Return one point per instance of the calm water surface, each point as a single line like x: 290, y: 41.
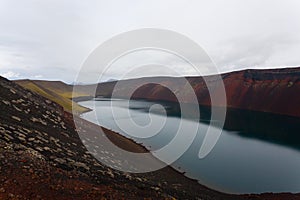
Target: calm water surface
x: 235, y: 165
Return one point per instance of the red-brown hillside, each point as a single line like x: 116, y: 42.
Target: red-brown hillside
x: 271, y: 90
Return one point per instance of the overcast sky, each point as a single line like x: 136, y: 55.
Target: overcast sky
x: 50, y: 39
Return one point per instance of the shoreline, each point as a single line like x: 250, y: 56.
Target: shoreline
x: 115, y: 135
x: 168, y: 178
x: 179, y: 175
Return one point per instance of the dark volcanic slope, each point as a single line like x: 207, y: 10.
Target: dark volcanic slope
x: 272, y: 90
x: 41, y: 154
x: 42, y: 157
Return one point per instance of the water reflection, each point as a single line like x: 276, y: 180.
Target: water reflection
x: 247, y: 157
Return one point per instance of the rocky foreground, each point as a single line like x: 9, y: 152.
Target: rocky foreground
x: 42, y: 157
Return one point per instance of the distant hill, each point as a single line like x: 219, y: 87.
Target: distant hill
x: 56, y: 91
x: 270, y: 90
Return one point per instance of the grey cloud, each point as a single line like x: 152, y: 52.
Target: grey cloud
x: 254, y: 51
x: 52, y: 38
